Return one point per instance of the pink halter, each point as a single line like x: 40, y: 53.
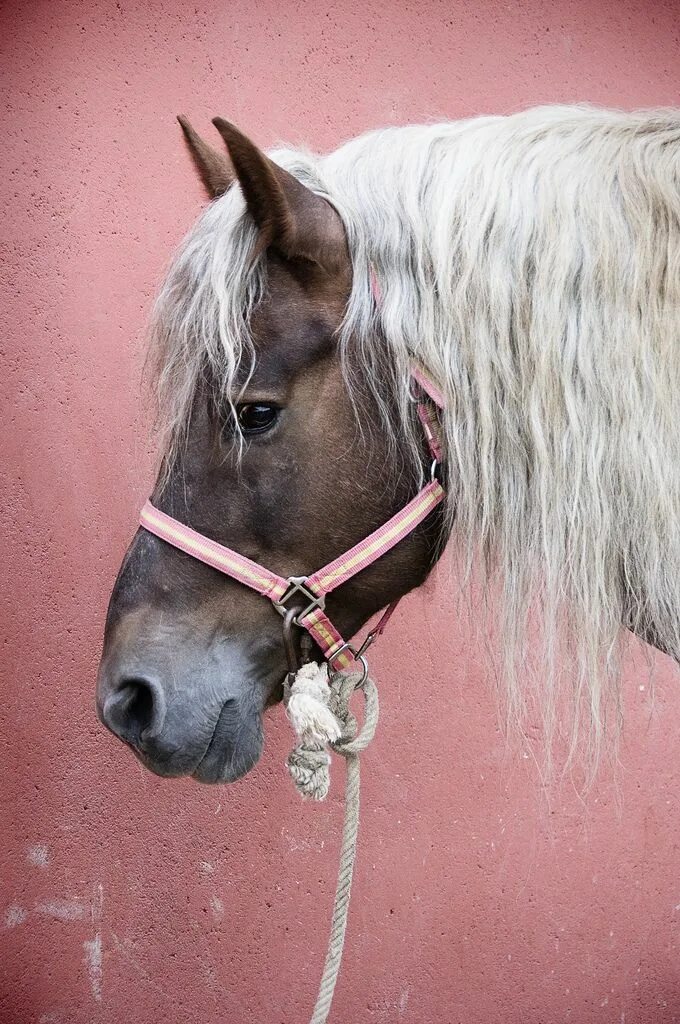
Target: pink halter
x: 311, y: 590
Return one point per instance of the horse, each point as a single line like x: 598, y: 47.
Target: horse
x: 527, y: 267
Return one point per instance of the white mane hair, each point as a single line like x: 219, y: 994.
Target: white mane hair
x: 531, y: 264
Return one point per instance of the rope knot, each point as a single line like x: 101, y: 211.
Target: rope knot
x: 319, y: 710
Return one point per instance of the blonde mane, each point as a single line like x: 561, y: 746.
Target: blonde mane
x: 532, y: 264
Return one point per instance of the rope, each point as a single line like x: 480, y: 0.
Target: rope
x: 320, y: 713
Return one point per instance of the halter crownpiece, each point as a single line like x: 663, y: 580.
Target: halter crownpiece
x: 312, y: 590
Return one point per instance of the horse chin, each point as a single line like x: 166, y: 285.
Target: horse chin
x: 234, y: 748
x: 217, y: 771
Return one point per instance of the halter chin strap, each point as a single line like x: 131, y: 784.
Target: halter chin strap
x: 311, y: 591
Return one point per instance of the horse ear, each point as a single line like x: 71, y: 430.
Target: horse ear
x: 213, y: 167
x: 291, y: 218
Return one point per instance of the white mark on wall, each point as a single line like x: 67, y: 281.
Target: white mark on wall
x: 382, y: 1010
x: 14, y: 916
x: 74, y: 908
x: 295, y: 843
x: 50, y: 1018
x: 93, y: 962
x: 38, y: 856
x: 63, y: 910
x: 217, y: 907
x: 93, y: 947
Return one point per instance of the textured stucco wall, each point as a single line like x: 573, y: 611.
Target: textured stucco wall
x: 127, y: 898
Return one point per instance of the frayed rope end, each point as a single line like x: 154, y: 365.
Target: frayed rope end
x: 307, y: 705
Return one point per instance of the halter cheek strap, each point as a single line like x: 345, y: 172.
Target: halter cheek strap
x: 311, y: 591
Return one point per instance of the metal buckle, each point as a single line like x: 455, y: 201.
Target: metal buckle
x: 415, y: 399
x: 297, y: 586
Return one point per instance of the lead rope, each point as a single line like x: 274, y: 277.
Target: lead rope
x: 319, y: 710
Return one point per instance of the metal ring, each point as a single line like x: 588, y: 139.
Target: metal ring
x: 364, y: 665
x: 414, y: 399
x: 289, y: 641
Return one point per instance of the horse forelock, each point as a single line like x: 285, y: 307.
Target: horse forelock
x: 532, y: 264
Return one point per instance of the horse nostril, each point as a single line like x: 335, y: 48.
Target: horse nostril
x: 135, y: 710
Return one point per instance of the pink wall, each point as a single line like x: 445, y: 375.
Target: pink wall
x: 127, y: 898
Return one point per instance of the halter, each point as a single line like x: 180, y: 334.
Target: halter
x: 311, y: 591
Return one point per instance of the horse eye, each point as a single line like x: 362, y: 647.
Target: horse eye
x: 256, y: 417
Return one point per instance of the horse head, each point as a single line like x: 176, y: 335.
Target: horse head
x: 270, y: 454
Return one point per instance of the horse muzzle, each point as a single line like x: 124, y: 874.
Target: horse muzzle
x: 182, y: 723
